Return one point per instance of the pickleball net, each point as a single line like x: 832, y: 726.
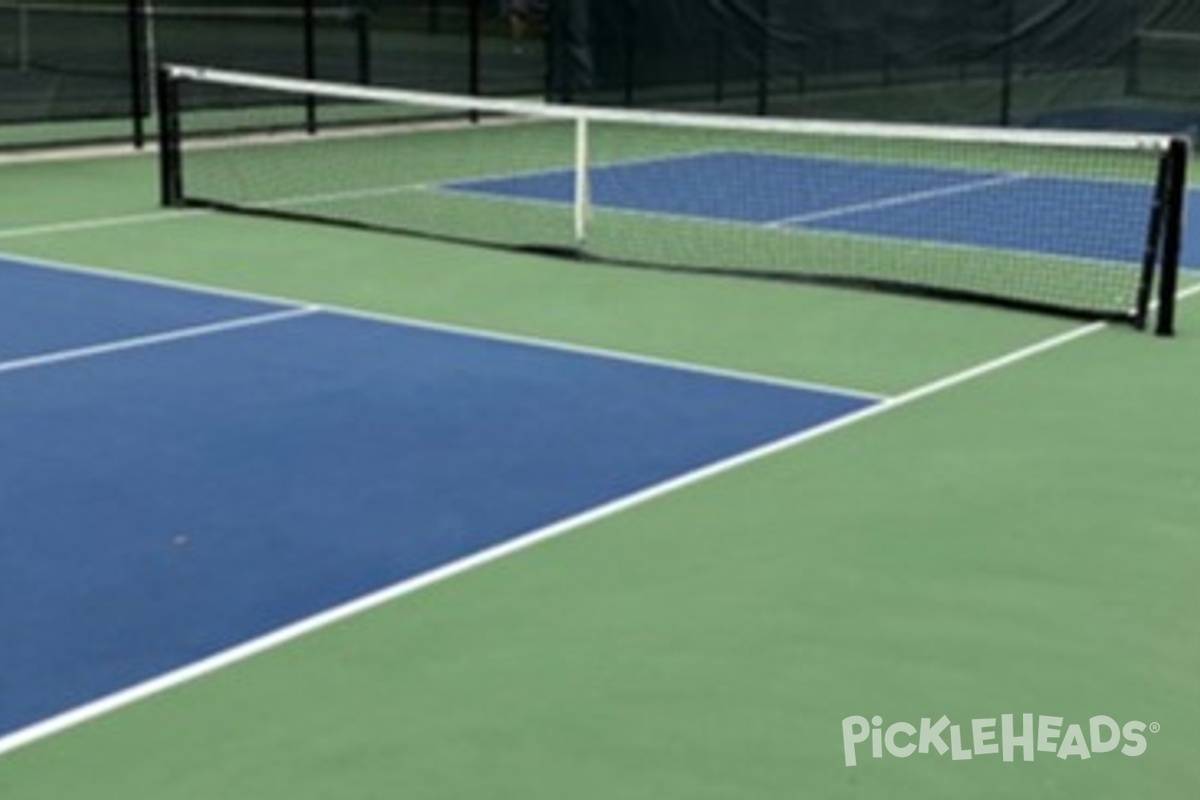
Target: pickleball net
x: 1080, y: 223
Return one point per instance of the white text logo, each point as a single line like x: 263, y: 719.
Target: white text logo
x: 1027, y: 734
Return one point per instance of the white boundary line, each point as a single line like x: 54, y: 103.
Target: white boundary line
x: 905, y: 199
x: 102, y: 222
x: 33, y: 154
x: 442, y: 327
x: 149, y: 340
x: 1183, y: 294
x: 523, y: 541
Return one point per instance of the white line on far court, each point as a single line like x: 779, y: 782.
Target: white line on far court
x: 518, y: 543
x: 905, y: 199
x: 151, y: 339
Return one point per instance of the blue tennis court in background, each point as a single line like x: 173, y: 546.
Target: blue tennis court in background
x: 1018, y: 212
x: 182, y: 472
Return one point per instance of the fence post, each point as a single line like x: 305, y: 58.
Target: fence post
x: 139, y: 70
x: 310, y: 63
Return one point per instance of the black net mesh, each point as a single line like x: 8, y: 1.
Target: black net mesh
x: 1051, y: 221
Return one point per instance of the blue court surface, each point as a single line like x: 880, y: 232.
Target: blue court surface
x: 1090, y: 219
x: 181, y: 472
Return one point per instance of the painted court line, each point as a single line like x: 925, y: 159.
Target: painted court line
x: 613, y: 355
x: 152, y: 339
x: 448, y: 328
x: 526, y: 540
x: 365, y: 193
x: 97, y: 223
x: 904, y: 199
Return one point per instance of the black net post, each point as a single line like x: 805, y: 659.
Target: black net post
x: 1152, y: 253
x: 170, y: 155
x: 1168, y: 275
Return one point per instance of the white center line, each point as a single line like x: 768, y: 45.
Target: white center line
x: 908, y: 198
x: 148, y: 340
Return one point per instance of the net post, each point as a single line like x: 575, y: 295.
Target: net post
x: 1176, y: 161
x: 170, y: 161
x: 1152, y: 251
x: 582, y: 202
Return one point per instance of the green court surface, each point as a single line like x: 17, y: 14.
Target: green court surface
x: 1015, y: 531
